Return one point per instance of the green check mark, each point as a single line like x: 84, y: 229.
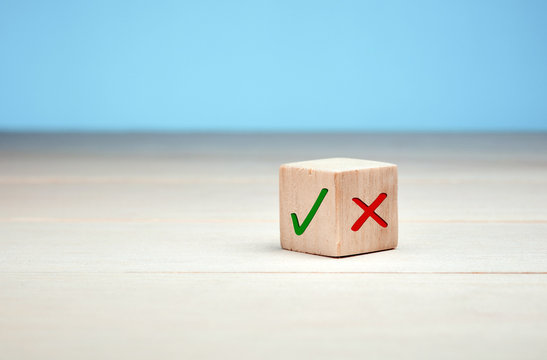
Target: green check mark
x: 299, y: 229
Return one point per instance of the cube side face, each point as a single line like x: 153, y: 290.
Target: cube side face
x: 367, y: 187
x: 299, y: 190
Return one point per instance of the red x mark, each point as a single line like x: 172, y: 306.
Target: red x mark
x: 369, y: 211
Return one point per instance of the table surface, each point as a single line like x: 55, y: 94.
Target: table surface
x: 160, y: 246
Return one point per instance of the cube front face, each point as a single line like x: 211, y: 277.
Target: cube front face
x: 299, y: 190
x: 341, y: 206
x: 379, y: 231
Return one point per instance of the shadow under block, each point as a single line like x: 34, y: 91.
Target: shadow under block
x: 323, y: 204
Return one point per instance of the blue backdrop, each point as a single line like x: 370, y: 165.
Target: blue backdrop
x: 273, y: 65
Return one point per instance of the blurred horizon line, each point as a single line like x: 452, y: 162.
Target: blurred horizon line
x: 263, y: 132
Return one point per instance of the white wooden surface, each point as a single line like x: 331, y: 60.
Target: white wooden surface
x: 167, y: 246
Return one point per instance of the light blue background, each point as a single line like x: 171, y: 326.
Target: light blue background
x: 273, y: 65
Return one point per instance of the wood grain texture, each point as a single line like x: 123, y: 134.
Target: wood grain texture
x: 299, y: 189
x: 330, y: 231
x: 149, y: 246
x: 249, y: 316
x: 367, y: 185
x: 111, y: 246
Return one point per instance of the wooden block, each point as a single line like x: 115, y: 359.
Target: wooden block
x: 323, y: 204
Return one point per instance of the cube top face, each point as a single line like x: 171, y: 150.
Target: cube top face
x: 338, y: 207
x: 338, y: 164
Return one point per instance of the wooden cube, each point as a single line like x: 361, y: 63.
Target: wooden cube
x: 338, y: 207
